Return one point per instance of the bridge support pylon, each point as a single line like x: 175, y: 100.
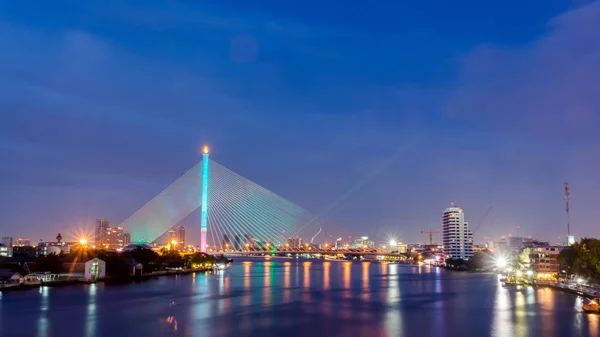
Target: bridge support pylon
x: 204, y: 199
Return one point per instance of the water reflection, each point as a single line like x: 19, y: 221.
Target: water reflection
x: 384, y: 279
x: 393, y: 320
x: 326, y: 282
x: 287, y: 291
x: 306, y: 282
x: 267, y: 284
x: 303, y: 299
x: 247, y: 298
x: 346, y: 279
x: 520, y: 310
x: 594, y: 327
x: 366, y: 291
x: 44, y: 307
x: 170, y: 324
x: 90, y: 324
x: 502, y: 325
x: 326, y: 303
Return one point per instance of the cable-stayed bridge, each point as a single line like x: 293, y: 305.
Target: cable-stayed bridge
x: 235, y: 212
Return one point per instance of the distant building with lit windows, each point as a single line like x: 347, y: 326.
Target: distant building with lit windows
x: 457, y: 239
x: 102, y: 227
x: 114, y: 238
x: 545, y: 259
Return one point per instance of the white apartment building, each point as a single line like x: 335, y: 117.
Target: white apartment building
x: 456, y: 237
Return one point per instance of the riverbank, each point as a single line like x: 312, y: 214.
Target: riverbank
x: 589, y: 292
x: 72, y: 281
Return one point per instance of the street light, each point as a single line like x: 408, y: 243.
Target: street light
x: 501, y: 262
x: 83, y: 241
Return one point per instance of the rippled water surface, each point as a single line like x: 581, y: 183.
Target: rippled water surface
x: 299, y: 298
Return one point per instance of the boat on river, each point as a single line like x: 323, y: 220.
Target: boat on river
x: 220, y: 266
x: 591, y: 307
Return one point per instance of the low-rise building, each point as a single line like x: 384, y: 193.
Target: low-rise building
x: 10, y: 277
x: 90, y: 271
x: 545, y: 259
x: 6, y: 251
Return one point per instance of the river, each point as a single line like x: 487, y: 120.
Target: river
x: 289, y: 298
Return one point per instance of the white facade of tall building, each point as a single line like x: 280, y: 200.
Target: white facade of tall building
x: 456, y: 237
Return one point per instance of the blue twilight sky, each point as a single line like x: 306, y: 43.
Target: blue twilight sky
x: 405, y: 105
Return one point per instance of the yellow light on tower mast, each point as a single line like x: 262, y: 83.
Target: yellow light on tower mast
x: 205, y: 149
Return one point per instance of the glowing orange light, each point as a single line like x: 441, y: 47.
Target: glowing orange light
x: 174, y: 242
x: 205, y: 149
x: 83, y: 241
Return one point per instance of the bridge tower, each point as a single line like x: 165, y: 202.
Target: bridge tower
x: 204, y: 199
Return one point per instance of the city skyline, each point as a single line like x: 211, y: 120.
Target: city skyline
x: 109, y: 111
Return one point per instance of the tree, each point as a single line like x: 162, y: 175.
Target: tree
x: 480, y: 260
x: 147, y: 257
x: 51, y: 263
x: 171, y: 258
x: 116, y: 266
x: 582, y: 258
x: 197, y: 259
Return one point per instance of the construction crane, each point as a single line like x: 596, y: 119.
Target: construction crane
x: 487, y: 212
x: 313, y: 238
x: 430, y: 232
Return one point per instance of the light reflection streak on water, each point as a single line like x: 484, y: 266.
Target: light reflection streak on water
x: 90, y: 323
x: 579, y: 321
x: 267, y: 284
x: 440, y: 310
x: 545, y: 302
x: 366, y: 290
x: 502, y: 325
x: 346, y: 280
x: 520, y: 314
x: 326, y: 303
x: 43, y: 320
x: 593, y: 324
x: 393, y: 319
x: 326, y: 281
x: 201, y: 308
x: 287, y: 292
x: 226, y: 291
x: 384, y: 279
x: 220, y: 286
x: 247, y: 299
x: 366, y: 293
x: 530, y: 296
x: 346, y: 311
x: 306, y: 282
x: 171, y: 323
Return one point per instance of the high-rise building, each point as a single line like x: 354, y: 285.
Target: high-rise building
x: 180, y: 231
x: 456, y: 237
x: 6, y: 246
x: 102, y: 229
x: 7, y: 241
x: 126, y: 239
x: 114, y: 238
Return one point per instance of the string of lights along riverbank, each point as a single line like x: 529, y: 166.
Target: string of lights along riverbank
x: 234, y: 211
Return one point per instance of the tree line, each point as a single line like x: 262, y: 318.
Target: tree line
x: 583, y: 259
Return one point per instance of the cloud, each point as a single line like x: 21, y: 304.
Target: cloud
x: 548, y: 88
